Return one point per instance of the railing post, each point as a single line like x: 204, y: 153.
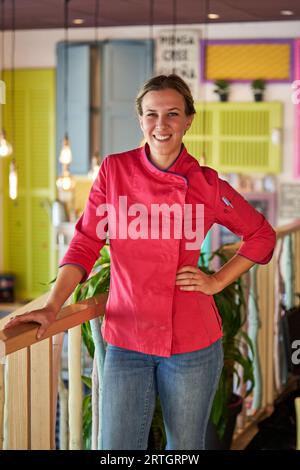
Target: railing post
x: 17, y: 401
x: 270, y: 331
x: 57, y: 345
x: 41, y: 399
x: 254, y: 325
x: 75, y: 388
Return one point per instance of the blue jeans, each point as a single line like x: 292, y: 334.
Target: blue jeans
x: 186, y: 384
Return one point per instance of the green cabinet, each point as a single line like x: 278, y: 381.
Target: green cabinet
x: 238, y: 137
x: 29, y: 245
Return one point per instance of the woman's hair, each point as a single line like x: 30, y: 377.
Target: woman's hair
x: 163, y: 82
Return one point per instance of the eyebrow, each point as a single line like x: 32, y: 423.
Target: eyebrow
x: 170, y: 109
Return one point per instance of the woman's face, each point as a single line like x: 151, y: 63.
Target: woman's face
x: 164, y: 122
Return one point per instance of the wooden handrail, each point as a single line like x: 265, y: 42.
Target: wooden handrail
x: 288, y: 228
x: 280, y: 233
x: 22, y: 336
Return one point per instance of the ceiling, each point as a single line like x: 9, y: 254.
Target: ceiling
x: 45, y: 14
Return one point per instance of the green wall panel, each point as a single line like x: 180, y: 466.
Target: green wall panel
x: 29, y: 239
x: 237, y: 137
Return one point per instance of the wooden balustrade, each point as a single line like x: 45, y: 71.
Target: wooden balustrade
x: 29, y: 377
x: 31, y: 373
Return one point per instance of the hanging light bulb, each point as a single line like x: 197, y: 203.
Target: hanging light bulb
x: 5, y: 146
x: 13, y: 180
x: 65, y: 156
x: 13, y: 176
x: 65, y: 182
x: 95, y: 166
x: 95, y: 107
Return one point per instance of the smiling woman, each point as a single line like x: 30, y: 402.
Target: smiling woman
x: 166, y: 111
x: 161, y: 326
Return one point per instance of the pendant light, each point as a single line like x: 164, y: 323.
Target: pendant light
x: 65, y: 182
x: 203, y: 156
x: 151, y: 22
x: 174, y: 32
x: 13, y: 175
x: 152, y: 42
x: 5, y: 146
x: 94, y: 123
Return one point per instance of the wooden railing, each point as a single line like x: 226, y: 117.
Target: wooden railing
x: 30, y: 370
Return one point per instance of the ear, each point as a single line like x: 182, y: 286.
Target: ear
x: 189, y: 121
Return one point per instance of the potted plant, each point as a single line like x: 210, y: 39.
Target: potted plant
x: 238, y: 351
x: 230, y: 302
x: 222, y: 89
x: 258, y: 86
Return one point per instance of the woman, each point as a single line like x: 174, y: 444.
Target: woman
x: 162, y: 327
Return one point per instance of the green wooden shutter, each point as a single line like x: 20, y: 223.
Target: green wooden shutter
x: 30, y: 250
x: 237, y: 137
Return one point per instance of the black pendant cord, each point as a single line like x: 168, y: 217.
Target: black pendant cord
x: 2, y: 39
x: 2, y: 57
x: 151, y: 20
x: 204, y: 117
x: 174, y: 24
x: 13, y: 124
x: 66, y: 66
x: 96, y: 24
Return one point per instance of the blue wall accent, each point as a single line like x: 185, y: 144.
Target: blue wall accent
x: 126, y: 65
x: 78, y: 105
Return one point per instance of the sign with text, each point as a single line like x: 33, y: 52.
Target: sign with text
x: 289, y: 205
x: 178, y: 52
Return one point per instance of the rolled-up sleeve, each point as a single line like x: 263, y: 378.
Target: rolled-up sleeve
x: 86, y: 244
x: 240, y: 217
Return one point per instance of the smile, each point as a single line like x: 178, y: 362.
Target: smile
x: 162, y: 138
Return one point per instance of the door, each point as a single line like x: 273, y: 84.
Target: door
x: 126, y: 66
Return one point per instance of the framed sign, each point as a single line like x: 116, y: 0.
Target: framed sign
x: 179, y: 52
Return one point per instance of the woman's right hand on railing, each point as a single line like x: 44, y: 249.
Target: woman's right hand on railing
x: 67, y: 279
x: 44, y: 316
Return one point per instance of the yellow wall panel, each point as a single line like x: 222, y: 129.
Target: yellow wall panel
x: 248, y: 61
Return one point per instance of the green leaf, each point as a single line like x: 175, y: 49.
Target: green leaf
x: 87, y: 381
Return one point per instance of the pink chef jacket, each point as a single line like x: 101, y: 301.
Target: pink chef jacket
x: 146, y: 311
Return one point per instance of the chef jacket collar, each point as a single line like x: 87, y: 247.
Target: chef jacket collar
x: 168, y: 173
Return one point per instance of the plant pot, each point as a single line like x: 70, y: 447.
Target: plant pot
x: 223, y: 97
x: 258, y: 96
x: 212, y: 441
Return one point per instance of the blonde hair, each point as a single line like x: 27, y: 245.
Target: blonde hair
x: 163, y: 82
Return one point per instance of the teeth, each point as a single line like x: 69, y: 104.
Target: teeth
x: 162, y: 137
